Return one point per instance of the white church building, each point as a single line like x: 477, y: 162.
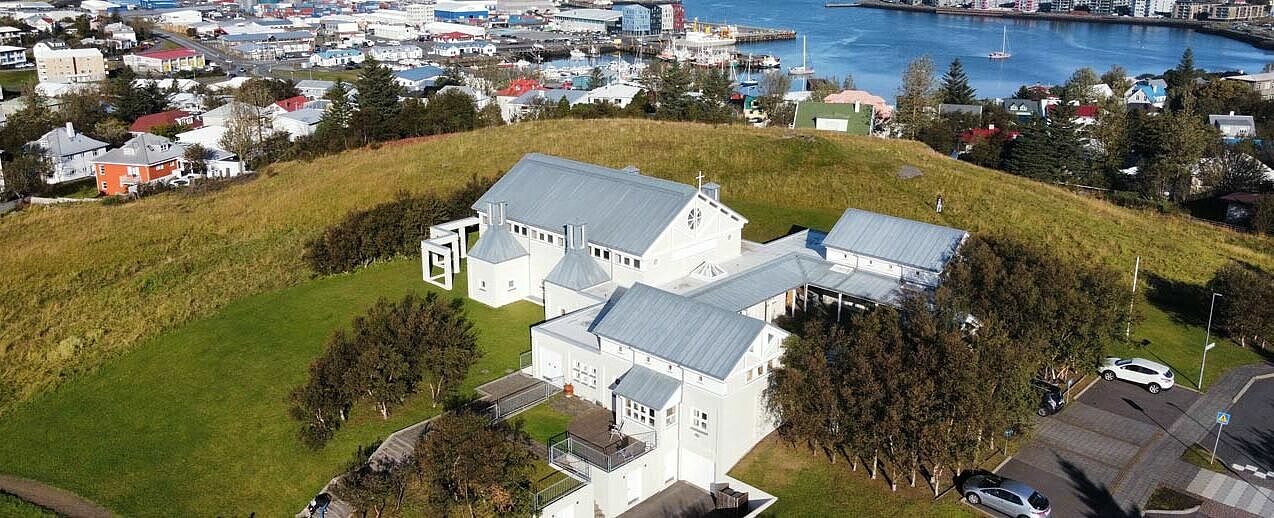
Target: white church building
x: 660, y: 312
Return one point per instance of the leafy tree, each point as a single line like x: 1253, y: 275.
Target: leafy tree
x: 596, y: 79
x: 988, y: 152
x: 112, y: 131
x: 1218, y: 97
x: 263, y: 91
x: 955, y: 87
x: 1117, y: 79
x: 82, y: 108
x: 1066, y: 310
x: 1262, y: 221
x: 29, y: 123
x: 1111, y: 137
x: 377, y: 102
x: 1170, y: 146
x: 131, y: 101
x: 469, y: 463
x: 916, y: 97
x: 24, y: 175
x: 196, y: 158
x: 803, y: 393
x: 450, y: 112
x: 1247, y: 311
x: 1233, y: 171
x: 490, y: 116
x: 1079, y: 87
x: 246, y: 131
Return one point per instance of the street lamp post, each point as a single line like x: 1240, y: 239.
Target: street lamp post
x: 1206, y: 337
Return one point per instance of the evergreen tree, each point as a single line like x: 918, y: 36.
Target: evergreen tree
x: 1170, y: 146
x: 377, y: 102
x: 715, y: 85
x: 848, y: 82
x: 334, y: 126
x: 1079, y: 87
x: 1067, y: 145
x: 595, y: 79
x: 1117, y: 79
x: 916, y: 100
x: 1031, y: 153
x: 674, y: 84
x: 955, y: 87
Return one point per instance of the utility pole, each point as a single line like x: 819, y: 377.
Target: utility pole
x: 1206, y: 338
x: 1136, y: 269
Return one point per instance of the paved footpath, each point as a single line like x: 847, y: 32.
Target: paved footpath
x: 1239, y: 494
x: 60, y: 501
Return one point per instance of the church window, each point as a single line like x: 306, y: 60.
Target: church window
x: 640, y: 413
x: 694, y: 218
x: 700, y: 422
x: 637, y: 263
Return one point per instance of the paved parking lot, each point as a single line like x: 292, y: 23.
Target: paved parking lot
x: 1079, y: 456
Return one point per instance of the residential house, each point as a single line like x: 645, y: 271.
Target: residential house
x: 336, y: 57
x: 69, y: 152
x: 1147, y: 93
x: 519, y: 86
x: 10, y: 34
x: 420, y: 79
x: 165, y: 61
x: 220, y: 163
x: 1239, y: 206
x: 531, y: 101
x: 1233, y: 127
x: 480, y: 100
x: 881, y: 109
x: 971, y: 137
x: 271, y: 45
x: 143, y: 159
x: 12, y: 56
x: 146, y: 123
x: 1085, y: 114
x: 1024, y: 109
x: 121, y: 32
x: 221, y: 115
x: 298, y: 123
x: 661, y: 314
x: 56, y: 64
x: 1262, y: 83
x: 747, y: 97
x: 292, y: 104
x: 395, y: 53
x: 617, y: 94
x: 856, y: 119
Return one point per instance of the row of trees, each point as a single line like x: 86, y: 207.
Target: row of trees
x: 464, y: 464
x: 933, y: 383
x: 388, y: 354
x: 1246, y: 314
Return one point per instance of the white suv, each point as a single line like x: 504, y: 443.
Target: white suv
x: 1155, y: 376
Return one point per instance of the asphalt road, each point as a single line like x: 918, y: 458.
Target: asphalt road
x: 1077, y: 457
x: 1249, y: 438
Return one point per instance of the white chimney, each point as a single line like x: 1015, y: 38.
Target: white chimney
x: 990, y: 126
x: 70, y: 128
x: 1231, y: 114
x: 857, y: 105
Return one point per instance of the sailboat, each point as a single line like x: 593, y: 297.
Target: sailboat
x: 1003, y: 53
x: 804, y: 69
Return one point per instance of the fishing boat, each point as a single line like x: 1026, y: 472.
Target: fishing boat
x: 804, y: 69
x: 769, y: 62
x: 1003, y: 53
x: 578, y: 54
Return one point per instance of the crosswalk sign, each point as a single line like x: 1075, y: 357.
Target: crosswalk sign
x: 1222, y: 418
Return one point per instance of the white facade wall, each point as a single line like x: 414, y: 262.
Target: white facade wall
x: 490, y: 283
x: 560, y: 301
x: 393, y: 32
x: 73, y: 167
x: 12, y: 56
x: 578, y: 504
x: 883, y: 267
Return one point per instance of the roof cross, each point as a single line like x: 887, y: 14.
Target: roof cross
x: 700, y: 179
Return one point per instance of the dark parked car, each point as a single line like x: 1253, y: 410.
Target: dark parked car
x: 1005, y: 495
x: 1051, y: 400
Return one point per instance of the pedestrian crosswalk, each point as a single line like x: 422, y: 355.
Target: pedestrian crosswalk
x: 1233, y: 492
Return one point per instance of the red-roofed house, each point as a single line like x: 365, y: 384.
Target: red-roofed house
x: 520, y: 86
x: 975, y: 135
x: 1085, y: 114
x: 145, y: 123
x: 292, y: 104
x: 452, y: 36
x: 165, y: 61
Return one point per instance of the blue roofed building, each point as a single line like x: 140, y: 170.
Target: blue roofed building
x: 1147, y: 94
x: 336, y: 57
x: 420, y: 78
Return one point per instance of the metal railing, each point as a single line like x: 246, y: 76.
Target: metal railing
x: 565, y: 447
x: 524, y: 361
x: 556, y: 491
x: 506, y: 406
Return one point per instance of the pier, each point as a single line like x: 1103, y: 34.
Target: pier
x: 748, y: 34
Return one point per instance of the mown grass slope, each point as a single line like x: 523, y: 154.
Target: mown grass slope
x: 85, y: 282
x: 211, y: 294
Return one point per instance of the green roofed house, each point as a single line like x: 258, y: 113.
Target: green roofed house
x: 846, y: 118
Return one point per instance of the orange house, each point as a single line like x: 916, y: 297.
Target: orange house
x: 145, y: 158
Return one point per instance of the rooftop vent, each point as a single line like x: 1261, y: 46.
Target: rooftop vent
x: 632, y: 169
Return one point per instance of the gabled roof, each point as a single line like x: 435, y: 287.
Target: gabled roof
x: 625, y: 211
x: 1030, y: 106
x: 681, y: 330
x: 144, y: 149
x: 497, y: 245
x: 756, y: 285
x: 902, y: 241
x: 647, y: 387
x: 1232, y: 120
x: 420, y: 73
x: 552, y: 96
x: 58, y: 142
x: 146, y: 122
x: 578, y: 271
x: 304, y: 115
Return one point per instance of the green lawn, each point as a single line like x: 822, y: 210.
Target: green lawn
x: 196, y: 419
x: 16, y: 80
x: 808, y: 485
x: 14, y: 507
x: 77, y: 189
x: 1202, y: 457
x: 542, y: 421
x: 1179, y: 345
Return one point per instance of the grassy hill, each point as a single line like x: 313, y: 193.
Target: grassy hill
x: 209, y: 294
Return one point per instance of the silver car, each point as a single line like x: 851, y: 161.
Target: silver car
x: 1005, y: 495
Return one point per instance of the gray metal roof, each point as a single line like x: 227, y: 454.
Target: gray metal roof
x: 60, y: 143
x: 144, y: 149
x: 305, y: 115
x: 975, y: 109
x: 578, y: 271
x: 624, y: 211
x: 902, y: 241
x: 753, y: 286
x: 647, y: 387
x: 553, y: 96
x: 1232, y: 120
x: 684, y: 331
x: 497, y: 245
